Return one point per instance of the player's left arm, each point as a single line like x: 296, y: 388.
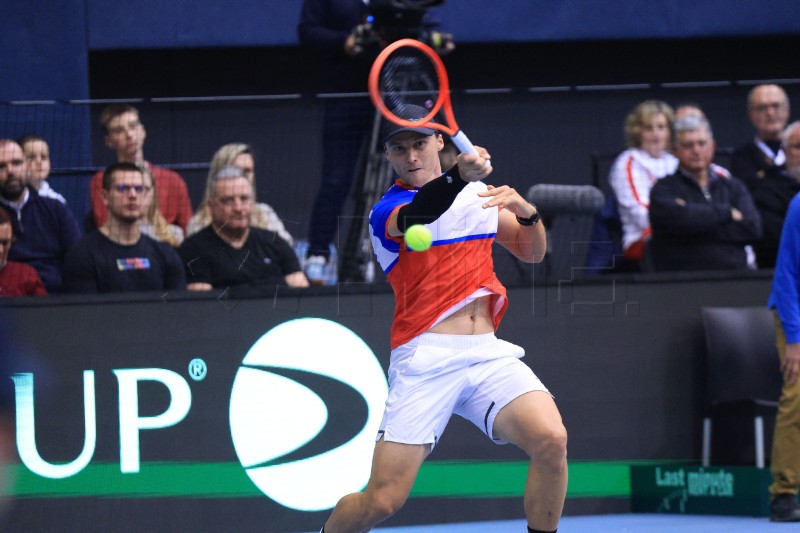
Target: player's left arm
x: 527, y: 243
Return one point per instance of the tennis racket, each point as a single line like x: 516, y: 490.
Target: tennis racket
x: 408, y: 72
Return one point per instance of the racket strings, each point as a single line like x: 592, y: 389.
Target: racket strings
x: 408, y: 77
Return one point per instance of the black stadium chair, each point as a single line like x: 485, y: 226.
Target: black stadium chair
x: 743, y: 369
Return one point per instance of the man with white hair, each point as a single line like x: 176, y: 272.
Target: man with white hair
x: 701, y: 218
x: 230, y: 253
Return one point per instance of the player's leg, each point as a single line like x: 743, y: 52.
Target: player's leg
x: 394, y: 470
x: 532, y: 422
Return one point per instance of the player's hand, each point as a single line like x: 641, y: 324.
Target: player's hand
x: 507, y: 198
x: 791, y: 363
x: 474, y: 167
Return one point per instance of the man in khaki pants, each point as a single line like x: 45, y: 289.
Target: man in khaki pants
x: 785, y: 302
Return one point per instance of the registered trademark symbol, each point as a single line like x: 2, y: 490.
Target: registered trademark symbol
x: 197, y: 369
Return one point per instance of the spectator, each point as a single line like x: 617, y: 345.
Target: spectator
x: 229, y: 252
x: 117, y: 257
x: 152, y: 223
x: 790, y: 141
x: 688, y: 108
x: 772, y: 191
x: 125, y: 134
x: 37, y: 153
x: 338, y: 34
x: 768, y: 111
x: 44, y: 228
x: 636, y: 170
x: 16, y: 279
x: 701, y: 219
x: 262, y: 216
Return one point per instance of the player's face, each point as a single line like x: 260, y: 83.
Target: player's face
x: 655, y: 135
x: 6, y: 235
x: 231, y: 204
x: 126, y: 136
x: 125, y: 200
x: 37, y: 153
x: 415, y: 157
x: 769, y: 111
x: 245, y: 163
x: 14, y: 171
x: 694, y: 150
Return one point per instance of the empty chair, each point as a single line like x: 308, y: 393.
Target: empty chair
x: 743, y: 369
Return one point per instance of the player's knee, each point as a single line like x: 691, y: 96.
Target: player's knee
x: 386, y: 503
x: 551, y: 447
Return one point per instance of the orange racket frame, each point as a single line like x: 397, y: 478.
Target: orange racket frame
x: 443, y: 103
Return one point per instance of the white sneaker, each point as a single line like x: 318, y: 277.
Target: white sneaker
x: 315, y: 269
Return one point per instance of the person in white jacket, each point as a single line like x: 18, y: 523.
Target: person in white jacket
x: 635, y: 171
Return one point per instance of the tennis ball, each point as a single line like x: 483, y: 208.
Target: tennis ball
x: 418, y: 238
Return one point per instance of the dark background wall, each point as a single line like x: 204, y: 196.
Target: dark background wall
x: 625, y: 361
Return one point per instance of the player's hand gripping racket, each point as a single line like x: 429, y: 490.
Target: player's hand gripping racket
x: 408, y: 72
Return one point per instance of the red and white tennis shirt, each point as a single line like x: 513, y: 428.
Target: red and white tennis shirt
x: 458, y: 267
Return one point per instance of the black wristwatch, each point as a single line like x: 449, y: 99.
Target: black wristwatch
x: 531, y: 220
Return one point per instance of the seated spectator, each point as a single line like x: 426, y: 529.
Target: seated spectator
x: 230, y: 252
x: 772, y: 191
x: 44, y: 228
x: 262, y: 215
x: 117, y: 257
x: 16, y: 279
x: 636, y: 170
x: 686, y: 109
x: 125, y: 134
x: 37, y: 153
x: 701, y: 219
x: 790, y: 141
x: 152, y: 223
x: 768, y: 111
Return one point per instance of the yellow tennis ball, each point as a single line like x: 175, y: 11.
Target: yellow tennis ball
x: 418, y: 238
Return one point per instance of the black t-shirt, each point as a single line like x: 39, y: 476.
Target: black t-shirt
x: 264, y: 259
x: 98, y: 264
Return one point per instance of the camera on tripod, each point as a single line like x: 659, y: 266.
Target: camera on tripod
x: 391, y: 20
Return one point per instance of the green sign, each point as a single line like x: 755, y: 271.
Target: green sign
x: 692, y: 489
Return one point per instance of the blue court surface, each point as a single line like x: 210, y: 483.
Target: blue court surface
x: 633, y: 523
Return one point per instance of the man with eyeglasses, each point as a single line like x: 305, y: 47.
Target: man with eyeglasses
x: 125, y: 134
x: 117, y: 257
x: 45, y: 229
x: 760, y: 164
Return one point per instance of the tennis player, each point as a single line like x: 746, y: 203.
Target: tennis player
x: 445, y: 357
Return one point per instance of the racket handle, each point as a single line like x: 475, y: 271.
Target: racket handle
x: 463, y: 143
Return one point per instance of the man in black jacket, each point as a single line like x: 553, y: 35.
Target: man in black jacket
x: 761, y: 164
x: 701, y: 219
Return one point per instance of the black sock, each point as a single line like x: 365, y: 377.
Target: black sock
x: 531, y: 530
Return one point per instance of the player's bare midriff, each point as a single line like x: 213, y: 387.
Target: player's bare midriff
x: 474, y: 318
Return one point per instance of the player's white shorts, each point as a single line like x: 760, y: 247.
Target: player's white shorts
x: 435, y: 375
